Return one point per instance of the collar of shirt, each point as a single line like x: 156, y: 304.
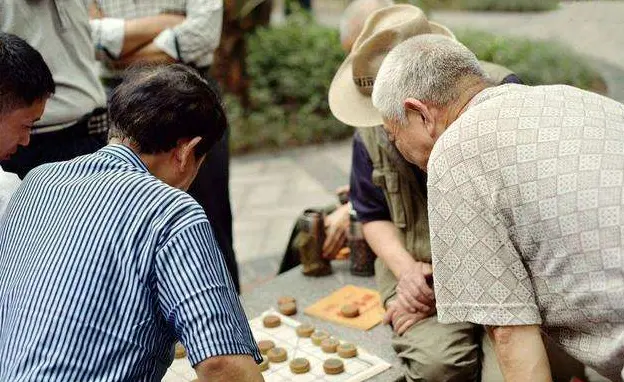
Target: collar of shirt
x: 491, y: 92
x: 124, y: 154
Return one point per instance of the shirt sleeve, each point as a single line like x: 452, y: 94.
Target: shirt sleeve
x: 512, y: 79
x: 195, y: 40
x: 108, y: 36
x: 479, y: 275
x: 367, y: 199
x: 198, y: 298
x: 9, y: 183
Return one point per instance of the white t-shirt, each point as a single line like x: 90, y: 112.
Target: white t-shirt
x: 526, y: 212
x: 9, y: 182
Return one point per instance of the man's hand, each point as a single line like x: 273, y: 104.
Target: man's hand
x: 413, y: 291
x: 336, y: 227
x: 400, y: 319
x: 343, y: 189
x: 232, y: 368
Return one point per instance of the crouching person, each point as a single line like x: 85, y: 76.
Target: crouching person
x: 106, y: 261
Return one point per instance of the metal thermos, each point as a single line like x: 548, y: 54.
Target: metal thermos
x: 312, y: 223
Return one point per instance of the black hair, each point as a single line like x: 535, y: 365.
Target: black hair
x: 155, y: 107
x: 24, y: 75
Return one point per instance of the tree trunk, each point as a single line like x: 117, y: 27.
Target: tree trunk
x: 229, y: 67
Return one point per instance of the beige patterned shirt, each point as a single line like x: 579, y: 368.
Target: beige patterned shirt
x: 527, y: 221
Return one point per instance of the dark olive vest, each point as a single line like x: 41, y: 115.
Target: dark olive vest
x: 406, y: 193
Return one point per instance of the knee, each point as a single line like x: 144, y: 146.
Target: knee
x: 448, y: 370
x: 444, y: 364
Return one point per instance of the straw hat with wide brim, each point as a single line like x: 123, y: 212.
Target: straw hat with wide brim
x: 352, y: 86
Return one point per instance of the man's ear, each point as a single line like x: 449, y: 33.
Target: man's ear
x: 416, y: 106
x: 186, y: 151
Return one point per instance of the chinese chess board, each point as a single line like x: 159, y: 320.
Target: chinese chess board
x: 367, y: 300
x: 357, y: 369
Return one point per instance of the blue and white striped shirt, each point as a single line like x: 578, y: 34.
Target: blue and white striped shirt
x: 102, y: 267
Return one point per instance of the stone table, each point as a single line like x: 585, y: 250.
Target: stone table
x: 308, y: 290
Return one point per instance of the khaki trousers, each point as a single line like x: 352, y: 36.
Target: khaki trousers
x: 430, y: 351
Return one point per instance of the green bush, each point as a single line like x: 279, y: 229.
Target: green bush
x: 535, y: 62
x: 495, y: 5
x: 509, y: 5
x: 425, y: 5
x: 291, y: 67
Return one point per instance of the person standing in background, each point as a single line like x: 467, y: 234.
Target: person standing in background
x: 127, y: 33
x: 74, y: 121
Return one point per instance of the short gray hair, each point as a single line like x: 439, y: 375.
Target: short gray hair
x: 356, y: 13
x: 426, y: 67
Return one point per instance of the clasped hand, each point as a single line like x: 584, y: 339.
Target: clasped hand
x: 415, y: 299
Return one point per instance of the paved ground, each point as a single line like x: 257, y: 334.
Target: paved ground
x: 269, y: 190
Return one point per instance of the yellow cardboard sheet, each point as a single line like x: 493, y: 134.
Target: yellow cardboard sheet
x: 368, y: 300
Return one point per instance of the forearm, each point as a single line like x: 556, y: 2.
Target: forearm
x: 140, y: 32
x: 237, y: 368
x: 384, y: 239
x: 521, y: 353
x: 149, y: 54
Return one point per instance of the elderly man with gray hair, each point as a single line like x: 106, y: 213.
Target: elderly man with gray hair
x: 390, y: 198
x: 525, y: 204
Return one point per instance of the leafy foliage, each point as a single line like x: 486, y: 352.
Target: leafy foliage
x: 535, y: 62
x: 291, y: 67
x: 293, y: 64
x: 493, y: 5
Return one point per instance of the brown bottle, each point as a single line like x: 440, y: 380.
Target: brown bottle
x: 361, y: 255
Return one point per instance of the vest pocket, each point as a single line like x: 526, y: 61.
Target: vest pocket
x: 379, y: 179
x: 395, y: 201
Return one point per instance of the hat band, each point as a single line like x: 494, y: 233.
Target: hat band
x: 364, y: 84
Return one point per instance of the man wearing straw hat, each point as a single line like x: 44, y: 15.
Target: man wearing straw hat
x: 389, y: 196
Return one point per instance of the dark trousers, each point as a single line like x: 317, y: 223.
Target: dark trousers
x: 291, y: 257
x: 211, y: 189
x: 55, y: 146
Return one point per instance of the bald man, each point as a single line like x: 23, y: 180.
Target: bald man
x: 353, y: 18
